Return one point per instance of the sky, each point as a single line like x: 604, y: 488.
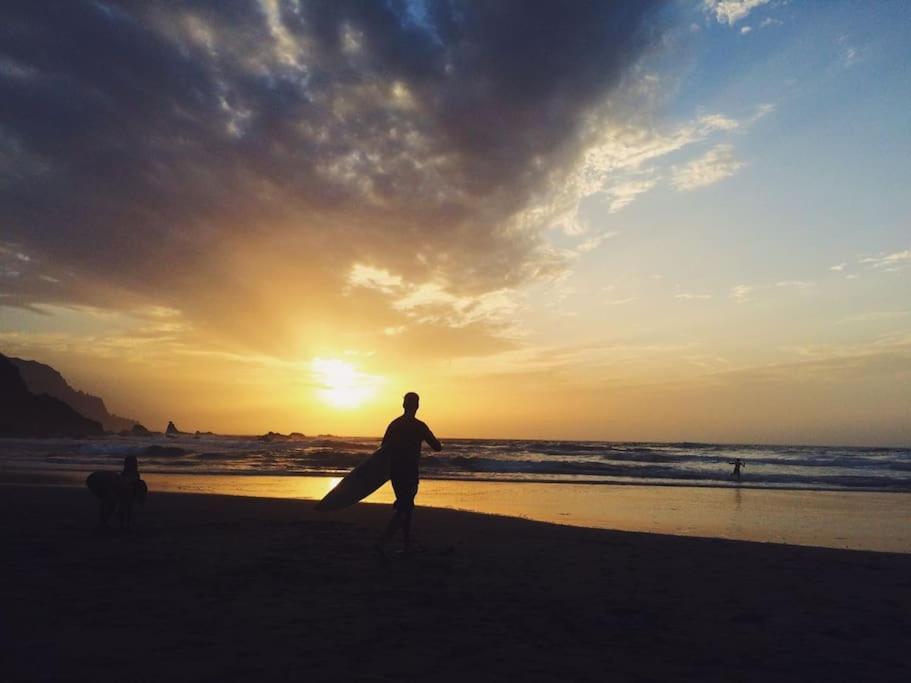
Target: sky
x: 663, y: 221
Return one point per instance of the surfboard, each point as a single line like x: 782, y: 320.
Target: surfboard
x: 359, y: 482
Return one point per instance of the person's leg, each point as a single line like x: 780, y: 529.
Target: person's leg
x: 404, y: 488
x: 107, y: 507
x: 126, y: 512
x: 407, y: 508
x: 396, y: 520
x: 392, y: 527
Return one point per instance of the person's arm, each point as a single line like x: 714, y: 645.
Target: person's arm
x: 385, y: 440
x: 431, y: 440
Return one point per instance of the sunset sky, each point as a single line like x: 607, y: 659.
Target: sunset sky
x: 622, y: 220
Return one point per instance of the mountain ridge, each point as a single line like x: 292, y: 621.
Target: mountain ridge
x: 40, y: 378
x: 24, y: 414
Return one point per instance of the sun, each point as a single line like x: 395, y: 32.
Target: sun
x: 341, y: 384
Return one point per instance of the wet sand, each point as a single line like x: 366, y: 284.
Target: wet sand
x: 856, y: 520
x: 213, y: 587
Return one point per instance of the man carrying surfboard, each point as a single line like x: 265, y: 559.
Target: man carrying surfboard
x: 403, y: 439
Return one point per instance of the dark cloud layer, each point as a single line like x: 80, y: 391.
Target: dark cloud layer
x: 185, y: 152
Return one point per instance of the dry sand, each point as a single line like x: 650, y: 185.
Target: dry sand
x: 216, y: 588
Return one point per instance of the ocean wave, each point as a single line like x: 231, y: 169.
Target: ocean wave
x: 525, y: 460
x: 165, y: 451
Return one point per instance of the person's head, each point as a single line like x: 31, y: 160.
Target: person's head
x: 130, y: 464
x: 411, y: 402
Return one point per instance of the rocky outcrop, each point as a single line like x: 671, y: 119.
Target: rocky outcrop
x: 273, y: 436
x: 43, y: 379
x: 269, y: 436
x: 137, y: 430
x: 25, y: 414
x: 172, y: 430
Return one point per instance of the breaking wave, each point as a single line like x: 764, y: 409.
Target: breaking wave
x: 810, y: 467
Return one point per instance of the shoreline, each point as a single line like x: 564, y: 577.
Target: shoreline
x: 682, y: 483
x: 874, y: 521
x: 342, y: 437
x: 233, y: 588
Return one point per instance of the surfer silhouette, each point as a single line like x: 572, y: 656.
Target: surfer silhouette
x: 403, y: 439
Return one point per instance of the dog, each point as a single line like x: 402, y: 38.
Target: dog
x: 116, y: 491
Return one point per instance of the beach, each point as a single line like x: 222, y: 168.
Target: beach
x: 455, y: 340
x: 210, y: 587
x: 850, y: 520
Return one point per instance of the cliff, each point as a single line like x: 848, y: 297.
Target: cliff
x: 43, y: 379
x: 24, y: 414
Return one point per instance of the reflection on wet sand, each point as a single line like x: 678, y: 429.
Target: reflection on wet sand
x: 860, y: 520
x: 835, y: 519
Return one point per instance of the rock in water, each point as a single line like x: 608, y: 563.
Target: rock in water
x: 137, y: 430
x: 271, y: 436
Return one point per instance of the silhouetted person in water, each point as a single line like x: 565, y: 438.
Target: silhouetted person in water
x: 118, y: 491
x: 404, y: 437
x: 737, y: 463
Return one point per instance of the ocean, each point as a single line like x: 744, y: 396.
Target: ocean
x: 591, y: 462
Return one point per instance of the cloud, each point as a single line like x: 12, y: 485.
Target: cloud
x: 233, y: 160
x: 889, y: 262
x: 888, y: 357
x: 731, y: 11
x: 689, y: 296
x: 745, y: 29
x: 714, y: 166
x: 433, y: 302
x: 594, y: 242
x: 741, y: 293
x: 849, y: 54
x: 626, y: 192
x: 374, y: 278
x: 795, y: 284
x: 877, y: 315
x: 138, y: 334
x: 621, y: 163
x: 838, y: 267
x: 744, y: 293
